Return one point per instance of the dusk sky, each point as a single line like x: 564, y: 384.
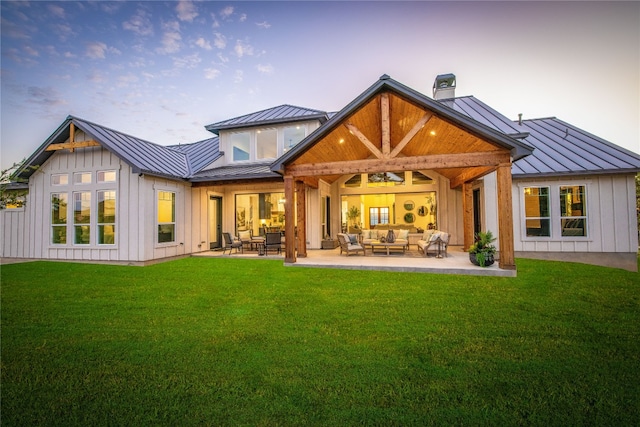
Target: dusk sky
x: 161, y: 71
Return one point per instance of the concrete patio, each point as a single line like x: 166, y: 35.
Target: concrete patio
x: 457, y: 261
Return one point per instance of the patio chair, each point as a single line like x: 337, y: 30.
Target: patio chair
x: 230, y: 243
x: 347, y: 246
x: 245, y: 237
x: 437, y: 244
x: 273, y: 241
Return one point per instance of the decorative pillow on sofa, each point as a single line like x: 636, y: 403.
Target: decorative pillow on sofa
x: 434, y: 236
x: 426, y: 236
x: 244, y: 235
x: 366, y: 234
x: 403, y: 234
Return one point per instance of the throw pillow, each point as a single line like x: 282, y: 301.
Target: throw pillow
x: 353, y: 238
x: 244, y: 235
x: 403, y: 234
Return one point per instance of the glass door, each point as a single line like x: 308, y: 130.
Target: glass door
x: 215, y: 222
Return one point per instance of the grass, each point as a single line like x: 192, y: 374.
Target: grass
x: 249, y: 342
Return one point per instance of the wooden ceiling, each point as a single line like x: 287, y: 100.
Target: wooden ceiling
x: 390, y: 132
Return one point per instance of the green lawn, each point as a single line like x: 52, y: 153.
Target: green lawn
x: 250, y: 342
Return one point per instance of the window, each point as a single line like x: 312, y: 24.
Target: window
x: 166, y: 216
x: 82, y: 178
x: 385, y: 179
x: 267, y: 144
x: 59, y: 218
x: 573, y: 216
x: 106, y: 176
x: 259, y: 212
x: 82, y: 217
x: 59, y: 179
x: 418, y: 178
x: 355, y: 181
x: 536, y: 208
x: 378, y: 216
x: 106, y: 217
x: 293, y: 135
x: 240, y: 146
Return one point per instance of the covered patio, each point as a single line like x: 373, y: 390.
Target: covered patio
x: 390, y: 127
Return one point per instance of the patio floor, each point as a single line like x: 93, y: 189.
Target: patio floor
x: 457, y: 261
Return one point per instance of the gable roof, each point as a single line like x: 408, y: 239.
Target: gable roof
x: 143, y: 156
x: 280, y: 114
x: 517, y: 148
x: 251, y: 171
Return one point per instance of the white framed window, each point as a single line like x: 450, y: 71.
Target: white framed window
x: 59, y: 202
x: 573, y: 211
x: 82, y: 218
x: 266, y: 144
x: 82, y: 178
x: 106, y: 176
x: 59, y: 179
x: 537, y: 212
x: 240, y: 143
x: 292, y: 136
x: 106, y: 217
x: 166, y: 216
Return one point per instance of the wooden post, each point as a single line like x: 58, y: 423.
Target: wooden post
x: 505, y: 218
x: 467, y: 214
x: 302, y: 215
x: 289, y: 219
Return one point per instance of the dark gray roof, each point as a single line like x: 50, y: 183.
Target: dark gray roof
x: 237, y: 172
x: 281, y: 114
x: 200, y: 154
x: 562, y: 149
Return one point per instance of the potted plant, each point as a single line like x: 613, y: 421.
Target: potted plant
x: 482, y: 251
x: 354, y: 215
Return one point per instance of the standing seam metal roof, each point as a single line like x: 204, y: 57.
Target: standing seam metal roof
x: 280, y: 114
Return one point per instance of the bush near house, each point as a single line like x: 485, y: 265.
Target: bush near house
x: 250, y: 342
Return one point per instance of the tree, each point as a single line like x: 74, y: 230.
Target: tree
x: 9, y: 195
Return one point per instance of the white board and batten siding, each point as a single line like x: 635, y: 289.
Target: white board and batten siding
x: 28, y: 234
x: 611, y: 216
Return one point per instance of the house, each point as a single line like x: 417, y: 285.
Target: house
x: 402, y: 159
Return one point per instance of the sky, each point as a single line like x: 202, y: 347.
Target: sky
x: 161, y: 71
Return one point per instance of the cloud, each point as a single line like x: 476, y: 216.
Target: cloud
x: 220, y: 41
x: 69, y: 55
x: 243, y: 17
x: 263, y: 25
x: 201, y: 42
x: 186, y: 10
x: 242, y: 49
x: 63, y: 31
x: 13, y: 30
x: 56, y: 11
x: 265, y: 69
x: 30, y: 51
x: 139, y: 23
x: 96, y: 50
x: 211, y: 73
x: 189, y: 61
x: 171, y: 38
x: 214, y: 21
x: 223, y: 58
x: 96, y: 76
x: 47, y: 96
x: 226, y: 12
x: 238, y: 76
x: 127, y: 79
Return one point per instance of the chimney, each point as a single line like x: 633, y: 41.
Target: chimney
x: 444, y: 87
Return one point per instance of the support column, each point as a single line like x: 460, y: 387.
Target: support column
x: 302, y: 216
x: 505, y: 217
x: 289, y: 220
x: 467, y: 214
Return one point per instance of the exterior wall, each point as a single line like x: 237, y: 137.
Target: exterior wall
x: 14, y: 233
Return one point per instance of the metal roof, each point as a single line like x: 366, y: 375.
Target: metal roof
x: 280, y: 114
x: 228, y: 173
x: 562, y: 149
x: 200, y: 154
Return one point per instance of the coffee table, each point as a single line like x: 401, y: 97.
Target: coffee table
x: 387, y: 246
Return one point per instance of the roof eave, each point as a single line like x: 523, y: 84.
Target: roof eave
x: 322, y: 117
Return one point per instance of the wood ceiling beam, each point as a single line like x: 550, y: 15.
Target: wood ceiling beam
x: 355, y: 131
x: 438, y: 161
x: 409, y: 136
x: 385, y: 125
x: 469, y: 175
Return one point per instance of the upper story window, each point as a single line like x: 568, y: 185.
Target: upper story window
x: 106, y: 176
x: 240, y: 143
x: 385, y: 179
x: 266, y: 144
x: 293, y: 135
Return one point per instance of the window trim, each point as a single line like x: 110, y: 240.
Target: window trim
x: 157, y: 241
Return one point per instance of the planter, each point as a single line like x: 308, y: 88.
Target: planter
x: 489, y: 260
x: 329, y: 244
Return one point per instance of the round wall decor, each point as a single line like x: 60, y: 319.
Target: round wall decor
x: 409, y: 218
x: 409, y: 205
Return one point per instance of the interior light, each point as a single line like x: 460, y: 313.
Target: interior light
x: 433, y: 133
x: 341, y: 140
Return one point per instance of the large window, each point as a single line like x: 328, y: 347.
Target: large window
x: 267, y: 144
x: 59, y: 218
x: 293, y: 135
x: 573, y: 216
x: 240, y: 146
x: 166, y: 216
x: 537, y: 213
x: 378, y: 215
x: 106, y: 217
x: 82, y: 218
x: 259, y: 212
